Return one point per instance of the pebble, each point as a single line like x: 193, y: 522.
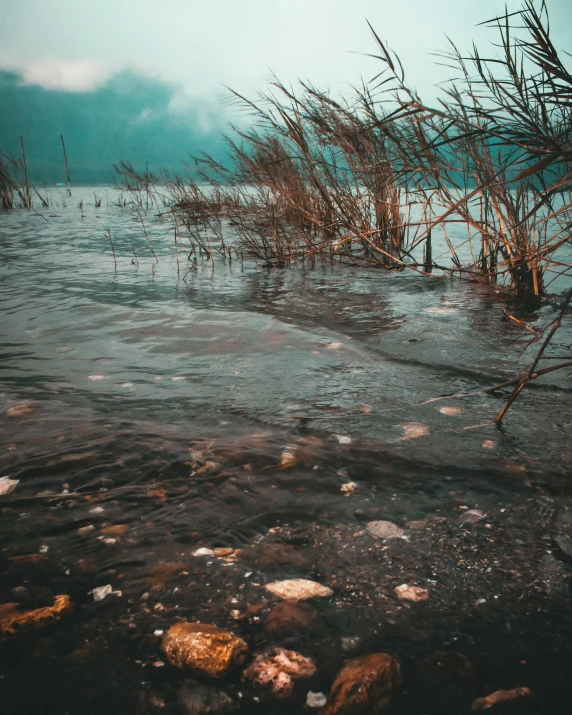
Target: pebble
x: 472, y: 516
x: 19, y: 410
x: 343, y: 438
x: 290, y: 618
x: 299, y: 589
x: 413, y: 430
x: 203, y: 648
x: 348, y: 488
x: 204, y: 552
x: 384, y: 530
x: 335, y: 346
x: 501, y: 696
x: 101, y: 592
x: 411, y: 593
x: 315, y: 700
x: 277, y: 671
x: 7, y: 485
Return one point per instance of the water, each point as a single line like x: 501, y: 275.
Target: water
x: 174, y: 406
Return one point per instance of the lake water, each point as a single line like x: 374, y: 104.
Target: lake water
x: 229, y: 409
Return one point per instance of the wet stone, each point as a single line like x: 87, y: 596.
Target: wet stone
x: 12, y: 619
x: 279, y: 672
x: 384, y: 530
x: 411, y: 593
x: 298, y: 589
x: 500, y: 697
x: 365, y: 685
x: 203, y: 649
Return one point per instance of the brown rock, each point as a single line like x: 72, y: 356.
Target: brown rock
x: 278, y: 671
x: 405, y: 592
x: 501, y: 696
x: 203, y: 648
x: 364, y: 686
x: 449, y: 682
x: 290, y: 618
x: 11, y: 618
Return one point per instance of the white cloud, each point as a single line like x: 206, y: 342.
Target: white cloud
x: 67, y: 75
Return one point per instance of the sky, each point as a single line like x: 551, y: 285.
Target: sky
x: 180, y: 54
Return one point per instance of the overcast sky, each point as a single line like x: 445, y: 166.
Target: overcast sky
x: 204, y: 44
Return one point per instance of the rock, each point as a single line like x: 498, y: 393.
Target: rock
x: 203, y: 648
x: 471, y: 516
x: 289, y: 618
x: 414, y: 430
x: 204, y: 552
x: 12, y: 619
x: 195, y: 699
x: 335, y: 345
x: 384, y: 530
x: 343, y: 438
x: 85, y: 530
x: 350, y: 643
x: 448, y: 681
x: 348, y: 488
x: 7, y: 485
x: 299, y: 589
x: 223, y: 551
x: 20, y: 410
x: 101, y: 592
x: 411, y: 593
x: 364, y: 686
x: 288, y: 457
x: 315, y: 700
x: 502, y: 696
x: 278, y: 671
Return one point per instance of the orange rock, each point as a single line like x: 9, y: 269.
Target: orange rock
x: 11, y: 618
x: 115, y: 529
x: 203, y: 648
x: 364, y: 686
x: 501, y: 696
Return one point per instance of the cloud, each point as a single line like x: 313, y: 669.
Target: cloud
x: 62, y: 74
x: 129, y: 116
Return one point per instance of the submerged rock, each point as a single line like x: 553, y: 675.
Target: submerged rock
x: 20, y: 410
x: 405, y: 592
x: 196, y: 699
x: 384, y: 530
x: 7, y: 485
x: 278, y: 671
x: 203, y: 648
x: 364, y: 686
x: 501, y: 696
x: 315, y: 700
x: 299, y: 589
x: 11, y: 619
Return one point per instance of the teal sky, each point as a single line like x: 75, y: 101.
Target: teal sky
x: 61, y: 58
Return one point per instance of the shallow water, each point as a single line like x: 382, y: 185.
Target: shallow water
x: 286, y: 384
